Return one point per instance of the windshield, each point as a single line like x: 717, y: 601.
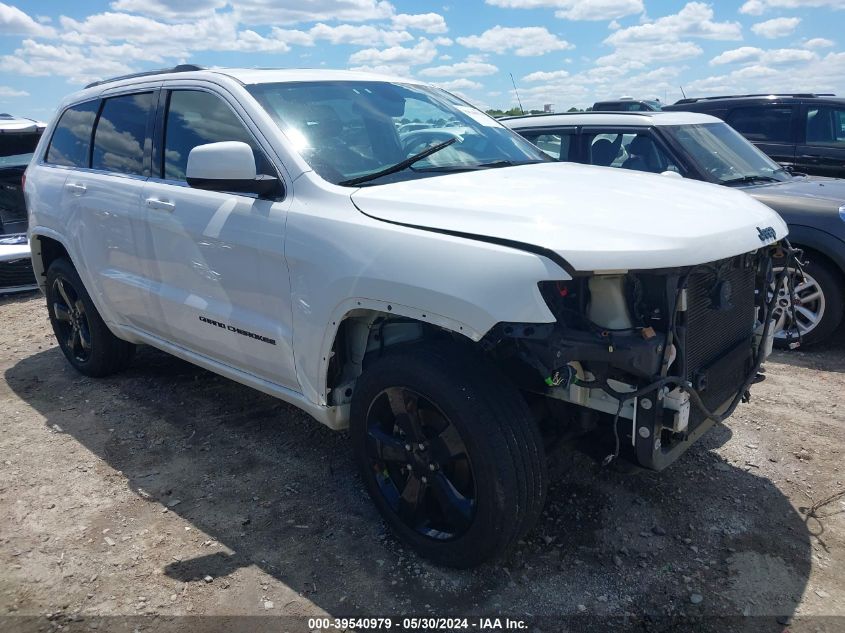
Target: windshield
x: 16, y: 149
x: 349, y: 130
x: 724, y: 155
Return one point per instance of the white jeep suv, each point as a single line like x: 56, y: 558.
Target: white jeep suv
x: 441, y: 289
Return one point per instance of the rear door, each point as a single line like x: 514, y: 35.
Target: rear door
x: 772, y: 128
x: 822, y: 150
x: 106, y: 198
x: 216, y: 260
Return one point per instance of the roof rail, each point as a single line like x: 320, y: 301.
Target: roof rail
x: 545, y: 114
x: 764, y: 94
x: 181, y: 68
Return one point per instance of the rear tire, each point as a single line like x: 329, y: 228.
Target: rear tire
x: 449, y: 453
x: 83, y: 336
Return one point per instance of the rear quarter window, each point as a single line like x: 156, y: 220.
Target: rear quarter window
x: 71, y: 139
x: 763, y: 123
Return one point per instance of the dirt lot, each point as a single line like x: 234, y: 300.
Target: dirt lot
x: 168, y: 490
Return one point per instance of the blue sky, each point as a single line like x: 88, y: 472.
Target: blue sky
x: 564, y: 52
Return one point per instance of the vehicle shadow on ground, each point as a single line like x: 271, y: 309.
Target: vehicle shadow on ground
x: 279, y: 490
x: 13, y: 297
x: 826, y: 356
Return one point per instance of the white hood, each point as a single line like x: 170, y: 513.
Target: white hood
x: 596, y: 218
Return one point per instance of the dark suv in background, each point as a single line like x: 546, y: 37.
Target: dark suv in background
x: 805, y: 132
x: 627, y: 104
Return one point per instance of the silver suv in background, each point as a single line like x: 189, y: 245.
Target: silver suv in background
x: 18, y: 140
x: 701, y: 147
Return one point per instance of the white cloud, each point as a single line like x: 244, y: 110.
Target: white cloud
x: 396, y: 56
x: 819, y: 42
x: 13, y: 21
x: 42, y: 60
x: 428, y: 22
x: 358, y: 34
x: 695, y: 20
x: 545, y: 76
x: 470, y: 68
x: 584, y: 88
x: 460, y: 84
x: 824, y: 74
x: 263, y: 12
x: 523, y: 41
x: 743, y: 54
x: 656, y: 52
x: 168, y: 9
x: 753, y: 55
x: 777, y: 27
x: 275, y: 12
x: 757, y: 7
x: 577, y: 9
x: 6, y: 91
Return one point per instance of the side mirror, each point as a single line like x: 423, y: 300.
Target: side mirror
x: 227, y: 166
x: 671, y: 174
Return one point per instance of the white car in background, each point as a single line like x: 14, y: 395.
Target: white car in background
x: 439, y: 297
x: 18, y: 139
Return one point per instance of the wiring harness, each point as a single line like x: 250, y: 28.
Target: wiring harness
x: 788, y: 272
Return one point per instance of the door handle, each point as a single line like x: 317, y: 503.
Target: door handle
x: 76, y: 188
x: 160, y: 205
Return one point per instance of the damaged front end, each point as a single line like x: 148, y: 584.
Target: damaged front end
x: 666, y: 353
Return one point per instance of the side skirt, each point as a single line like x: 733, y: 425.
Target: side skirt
x: 336, y: 418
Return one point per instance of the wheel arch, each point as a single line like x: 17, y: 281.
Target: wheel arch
x: 358, y: 326
x: 45, y: 249
x: 820, y: 244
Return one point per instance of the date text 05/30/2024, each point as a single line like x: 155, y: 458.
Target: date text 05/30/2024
x: 422, y: 624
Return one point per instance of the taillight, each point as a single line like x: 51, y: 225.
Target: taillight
x: 23, y: 180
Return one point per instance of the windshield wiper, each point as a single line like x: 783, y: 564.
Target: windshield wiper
x: 399, y: 166
x: 746, y: 179
x: 479, y: 166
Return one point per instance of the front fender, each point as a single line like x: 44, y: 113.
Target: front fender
x: 820, y: 241
x: 339, y: 264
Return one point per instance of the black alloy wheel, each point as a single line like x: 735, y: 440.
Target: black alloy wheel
x: 421, y: 464
x: 73, y: 329
x: 83, y: 336
x: 449, y: 452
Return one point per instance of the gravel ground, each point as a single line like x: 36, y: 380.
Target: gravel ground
x: 169, y: 491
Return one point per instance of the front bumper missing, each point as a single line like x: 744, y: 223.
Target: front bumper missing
x: 659, y: 425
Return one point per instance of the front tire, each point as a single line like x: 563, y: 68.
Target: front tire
x: 83, y: 336
x: 818, y: 307
x: 449, y: 453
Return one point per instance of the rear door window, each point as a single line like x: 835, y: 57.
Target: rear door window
x: 122, y: 140
x: 826, y: 126
x: 554, y: 143
x: 71, y: 140
x: 637, y: 150
x: 767, y: 124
